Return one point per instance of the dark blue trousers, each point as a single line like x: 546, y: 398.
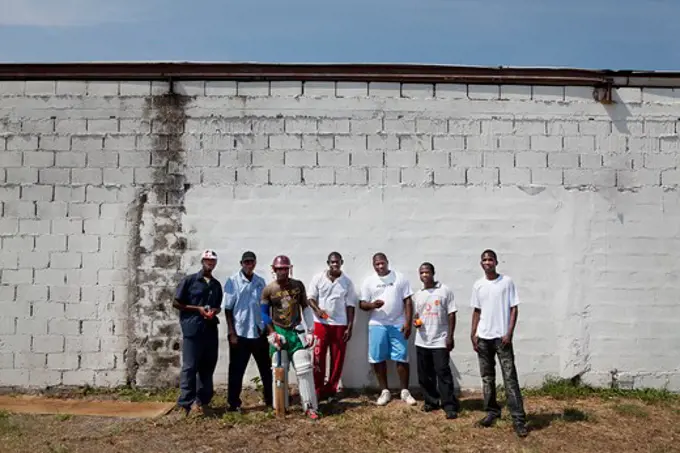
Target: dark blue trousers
x: 199, y: 359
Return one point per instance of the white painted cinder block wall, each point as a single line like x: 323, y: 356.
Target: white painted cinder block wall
x: 578, y: 198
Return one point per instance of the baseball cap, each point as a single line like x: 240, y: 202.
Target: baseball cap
x: 209, y: 255
x: 248, y: 256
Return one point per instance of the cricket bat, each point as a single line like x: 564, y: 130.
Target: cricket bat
x: 279, y: 387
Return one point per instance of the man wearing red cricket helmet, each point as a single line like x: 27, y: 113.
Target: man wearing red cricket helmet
x: 290, y: 323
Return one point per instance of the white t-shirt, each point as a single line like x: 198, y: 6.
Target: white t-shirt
x: 391, y: 289
x: 494, y: 298
x: 433, y: 306
x: 333, y: 297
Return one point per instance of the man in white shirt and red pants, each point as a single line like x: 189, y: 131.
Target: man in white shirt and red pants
x: 495, y: 303
x: 332, y: 297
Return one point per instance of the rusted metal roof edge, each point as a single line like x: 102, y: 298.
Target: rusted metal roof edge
x: 404, y: 73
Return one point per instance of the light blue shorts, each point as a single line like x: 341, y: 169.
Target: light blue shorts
x: 386, y: 343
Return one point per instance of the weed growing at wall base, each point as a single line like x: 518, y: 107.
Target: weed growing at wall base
x: 562, y: 389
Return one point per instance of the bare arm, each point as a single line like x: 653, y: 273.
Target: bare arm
x: 514, y: 313
x: 408, y: 310
x: 473, y: 331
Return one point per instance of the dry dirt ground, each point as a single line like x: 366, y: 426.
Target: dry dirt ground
x: 590, y: 423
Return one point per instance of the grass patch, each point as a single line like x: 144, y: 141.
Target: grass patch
x: 571, y: 415
x: 234, y: 418
x: 63, y: 417
x: 631, y: 410
x: 563, y: 389
x: 7, y: 426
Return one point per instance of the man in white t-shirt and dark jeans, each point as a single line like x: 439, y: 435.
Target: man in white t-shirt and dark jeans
x: 495, y: 303
x: 386, y: 295
x: 435, y: 323
x: 332, y: 297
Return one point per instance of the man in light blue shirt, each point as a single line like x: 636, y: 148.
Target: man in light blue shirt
x: 247, y: 333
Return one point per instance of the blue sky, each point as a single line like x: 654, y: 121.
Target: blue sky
x: 602, y: 34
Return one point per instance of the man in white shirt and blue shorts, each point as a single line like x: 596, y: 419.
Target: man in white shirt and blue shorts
x: 435, y: 324
x: 495, y: 303
x: 386, y: 295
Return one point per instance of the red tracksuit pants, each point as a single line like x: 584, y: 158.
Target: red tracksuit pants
x: 328, y: 337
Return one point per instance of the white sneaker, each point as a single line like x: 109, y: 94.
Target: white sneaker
x: 384, y: 398
x: 408, y: 398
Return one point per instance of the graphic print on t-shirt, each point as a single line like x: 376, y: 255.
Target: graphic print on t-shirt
x: 286, y: 303
x: 433, y: 306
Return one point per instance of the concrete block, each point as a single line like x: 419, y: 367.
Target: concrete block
x: 63, y: 327
x: 501, y: 126
x: 597, y: 178
x: 97, y: 361
x: 9, y: 226
x: 399, y: 126
x: 333, y: 126
x: 318, y: 176
x: 368, y: 158
x: 60, y: 176
x: 113, y: 344
x: 547, y: 176
x: 300, y: 125
x: 33, y: 260
x: 286, y: 88
x: 659, y: 128
x: 102, y: 125
x: 190, y: 87
x: 668, y: 178
x: 268, y: 158
x: 66, y: 260
x: 134, y: 88
x: 531, y: 159
x: 69, y: 193
x: 113, y: 277
x: 268, y: 126
x: 579, y: 144
x: 547, y: 93
x: 481, y: 143
x: 629, y: 179
x: 117, y: 177
x: 38, y: 159
x: 252, y: 176
x: 133, y: 126
x: 611, y: 143
x: 628, y: 95
x: 44, y: 378
x: 142, y: 143
x: 350, y: 142
x: 595, y: 127
x: 317, y: 142
x: 81, y: 343
x: 220, y: 88
x: 285, y: 175
x: 78, y: 378
x: 563, y: 160
x: 484, y: 92
x: 415, y: 142
x: 30, y: 360
x: 26, y: 175
x: 450, y: 176
x: 32, y: 293
x: 16, y: 377
x: 6, y: 361
x: 21, y: 143
x: 511, y: 176
x: 102, y: 88
x: 466, y: 158
x: 10, y: 307
x: 37, y: 126
x: 69, y: 294
x: 9, y: 193
x: 218, y: 176
x: 8, y: 260
x: 83, y: 243
x: 101, y: 194
x: 134, y: 159
x: 419, y: 177
x: 530, y: 126
x: 515, y: 92
x: 464, y: 126
x: 113, y: 378
x: 50, y: 243
x: 666, y: 145
x: 99, y: 260
x: 450, y: 91
x: 433, y: 159
x: 16, y: 343
x: 351, y: 176
x: 48, y: 343
x: 85, y: 176
x: 333, y: 159
x: 119, y: 143
x: 10, y: 159
x: 318, y: 89
x: 384, y: 89
x: 68, y: 127
x: 40, y: 87
x: 235, y: 158
x: 18, y: 243
x: 496, y: 159
x: 51, y: 277
x: 70, y: 159
x: 378, y: 142
x: 384, y: 176
x: 87, y: 143
x: 97, y: 294
x: 62, y: 362
x: 12, y: 87
x: 286, y: 141
x: 17, y: 276
x: 621, y: 161
x: 546, y: 143
x: 482, y: 176
x: 83, y: 210
x: 253, y: 89
x: 645, y: 144
x: 432, y: 126
x: 351, y: 89
x: 7, y: 325
x: 400, y: 159
x: 417, y: 90
x: 300, y: 158
x: 661, y: 161
x: 590, y: 161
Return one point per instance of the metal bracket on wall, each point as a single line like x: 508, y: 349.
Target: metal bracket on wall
x: 603, y: 94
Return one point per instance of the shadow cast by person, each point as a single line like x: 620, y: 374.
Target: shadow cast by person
x: 472, y: 405
x: 537, y: 422
x: 339, y: 407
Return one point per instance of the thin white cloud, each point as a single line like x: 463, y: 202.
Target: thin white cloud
x: 69, y: 13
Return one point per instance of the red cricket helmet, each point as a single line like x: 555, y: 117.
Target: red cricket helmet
x: 281, y: 261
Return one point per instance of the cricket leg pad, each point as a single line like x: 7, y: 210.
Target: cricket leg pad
x: 302, y: 361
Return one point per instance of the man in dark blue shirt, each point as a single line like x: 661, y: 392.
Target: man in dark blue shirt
x: 198, y: 300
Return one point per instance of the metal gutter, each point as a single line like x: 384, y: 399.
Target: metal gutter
x: 403, y: 73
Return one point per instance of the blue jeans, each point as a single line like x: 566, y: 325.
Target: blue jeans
x: 199, y: 359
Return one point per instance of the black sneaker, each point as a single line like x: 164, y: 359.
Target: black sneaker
x: 521, y: 430
x: 488, y: 421
x: 430, y: 408
x: 451, y: 415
